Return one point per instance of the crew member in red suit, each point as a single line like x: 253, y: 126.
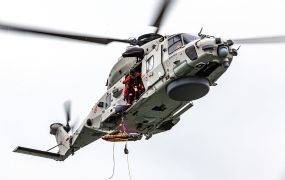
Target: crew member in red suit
x: 133, y: 86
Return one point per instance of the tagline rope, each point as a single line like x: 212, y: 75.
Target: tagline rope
x: 114, y: 162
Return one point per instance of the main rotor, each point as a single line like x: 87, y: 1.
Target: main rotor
x: 157, y: 22
x: 93, y: 39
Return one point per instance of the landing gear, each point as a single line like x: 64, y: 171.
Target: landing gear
x: 148, y: 136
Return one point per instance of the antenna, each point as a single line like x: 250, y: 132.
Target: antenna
x: 200, y: 32
x: 238, y: 47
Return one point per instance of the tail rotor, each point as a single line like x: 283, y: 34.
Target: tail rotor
x: 67, y: 109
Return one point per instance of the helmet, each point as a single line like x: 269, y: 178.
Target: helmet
x: 132, y: 71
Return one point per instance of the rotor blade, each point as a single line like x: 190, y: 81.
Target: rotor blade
x: 161, y: 13
x: 261, y: 40
x: 92, y: 39
x: 67, y: 109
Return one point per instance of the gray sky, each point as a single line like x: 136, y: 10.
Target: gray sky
x: 236, y: 132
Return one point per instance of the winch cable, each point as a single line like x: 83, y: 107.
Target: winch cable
x: 114, y: 162
x: 127, y: 153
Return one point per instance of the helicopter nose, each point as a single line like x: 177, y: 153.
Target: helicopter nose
x: 223, y: 51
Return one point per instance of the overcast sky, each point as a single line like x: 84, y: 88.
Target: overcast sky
x: 236, y: 132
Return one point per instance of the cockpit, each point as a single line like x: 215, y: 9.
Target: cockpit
x: 175, y: 42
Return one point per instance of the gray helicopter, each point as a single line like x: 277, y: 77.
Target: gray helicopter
x: 153, y: 83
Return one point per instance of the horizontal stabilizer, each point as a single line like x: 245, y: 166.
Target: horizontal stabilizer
x: 39, y: 153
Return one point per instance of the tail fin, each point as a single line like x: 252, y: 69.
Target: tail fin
x: 39, y: 153
x: 62, y: 139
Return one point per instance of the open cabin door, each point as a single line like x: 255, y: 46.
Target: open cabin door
x: 152, y: 68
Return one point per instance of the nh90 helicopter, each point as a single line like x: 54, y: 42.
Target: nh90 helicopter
x: 174, y: 70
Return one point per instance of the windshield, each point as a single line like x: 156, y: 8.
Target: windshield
x: 187, y: 38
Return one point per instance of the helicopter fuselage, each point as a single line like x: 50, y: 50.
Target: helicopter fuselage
x: 174, y: 72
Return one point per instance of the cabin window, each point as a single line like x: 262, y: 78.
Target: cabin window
x: 108, y: 100
x: 149, y: 64
x: 100, y: 104
x: 187, y: 38
x: 174, y: 43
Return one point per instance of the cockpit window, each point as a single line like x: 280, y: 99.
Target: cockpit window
x: 187, y: 38
x: 174, y: 43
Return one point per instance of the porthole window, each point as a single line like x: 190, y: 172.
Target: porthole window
x: 108, y: 101
x: 149, y: 64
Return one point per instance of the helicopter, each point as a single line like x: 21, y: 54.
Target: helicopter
x: 175, y: 70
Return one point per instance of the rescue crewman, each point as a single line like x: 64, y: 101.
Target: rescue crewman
x: 133, y: 86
